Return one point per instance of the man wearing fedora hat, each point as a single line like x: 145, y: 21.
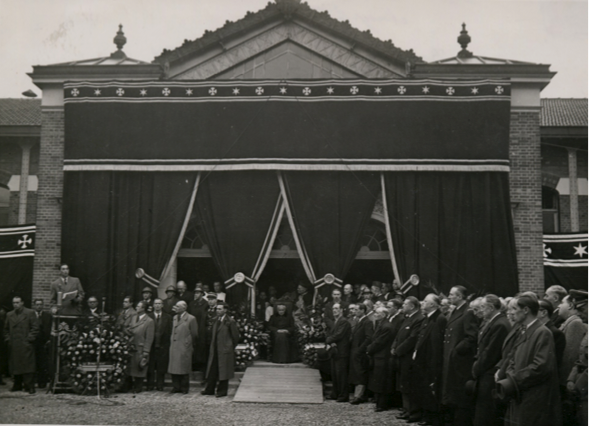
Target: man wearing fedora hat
x: 171, y: 300
x: 532, y: 372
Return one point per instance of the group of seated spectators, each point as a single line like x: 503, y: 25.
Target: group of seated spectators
x: 455, y: 360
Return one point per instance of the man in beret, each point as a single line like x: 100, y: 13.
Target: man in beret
x: 171, y: 300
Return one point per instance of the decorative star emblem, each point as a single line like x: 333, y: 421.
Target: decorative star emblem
x: 259, y: 90
x: 401, y: 90
x: 499, y: 90
x: 580, y: 250
x: 307, y: 91
x: 97, y: 92
x: 75, y: 92
x: 426, y: 89
x: 283, y: 90
x: 546, y: 250
x: 120, y: 92
x: 450, y: 91
x: 213, y: 91
x: 474, y: 90
x: 189, y: 92
x: 165, y: 91
x: 235, y: 91
x: 143, y: 92
x: 354, y: 90
x: 378, y: 90
x: 330, y: 90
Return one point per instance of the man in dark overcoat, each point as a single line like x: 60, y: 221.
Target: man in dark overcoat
x: 160, y: 352
x: 198, y: 308
x: 427, y: 361
x: 20, y: 331
x: 182, y: 341
x: 379, y: 351
x: 459, y: 349
x: 532, y: 373
x: 403, y: 348
x: 395, y: 317
x: 42, y: 343
x: 170, y: 301
x: 338, y: 339
x: 220, y: 366
x: 183, y: 293
x: 361, y: 334
x: 488, y: 411
x: 141, y: 331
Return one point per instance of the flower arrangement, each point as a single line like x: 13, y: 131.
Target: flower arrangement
x: 309, y: 334
x: 88, y: 351
x: 252, y: 336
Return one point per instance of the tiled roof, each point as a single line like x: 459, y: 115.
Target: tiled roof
x: 288, y: 9
x: 557, y: 112
x: 20, y: 112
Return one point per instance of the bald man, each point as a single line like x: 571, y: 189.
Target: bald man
x: 184, y: 333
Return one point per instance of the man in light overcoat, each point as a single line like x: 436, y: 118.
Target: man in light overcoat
x: 141, y: 331
x: 184, y: 333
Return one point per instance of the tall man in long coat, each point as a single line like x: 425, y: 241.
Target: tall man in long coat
x: 403, y: 348
x: 532, y: 372
x: 379, y: 350
x: 224, y: 339
x: 184, y: 332
x: 427, y: 361
x: 20, y: 331
x: 395, y: 317
x: 362, y: 332
x: 459, y: 349
x: 198, y: 308
x: 160, y: 352
x: 41, y: 343
x: 339, y: 339
x: 141, y: 331
x: 489, y: 412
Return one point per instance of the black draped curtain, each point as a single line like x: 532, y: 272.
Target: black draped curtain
x: 115, y: 222
x: 453, y: 228
x: 331, y: 210
x: 235, y: 210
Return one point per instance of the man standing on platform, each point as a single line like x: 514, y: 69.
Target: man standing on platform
x: 171, y: 300
x: 184, y: 332
x: 396, y: 317
x: 361, y: 334
x: 141, y: 331
x: 41, y: 347
x: 148, y: 298
x: 20, y: 331
x: 125, y: 316
x: 459, y: 349
x: 403, y: 349
x: 220, y: 366
x: 198, y: 308
x: 379, y: 351
x: 329, y: 311
x: 183, y: 293
x: 160, y: 352
x: 72, y: 293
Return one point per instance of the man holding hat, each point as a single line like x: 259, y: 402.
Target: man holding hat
x: 198, y: 308
x: 531, y: 377
x: 171, y: 300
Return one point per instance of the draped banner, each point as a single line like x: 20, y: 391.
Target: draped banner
x: 330, y: 211
x: 235, y: 211
x: 565, y: 258
x: 17, y: 250
x: 116, y: 222
x: 453, y: 229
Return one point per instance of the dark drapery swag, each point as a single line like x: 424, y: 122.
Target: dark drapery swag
x: 235, y: 210
x: 17, y: 250
x: 453, y: 229
x: 330, y: 211
x: 115, y: 222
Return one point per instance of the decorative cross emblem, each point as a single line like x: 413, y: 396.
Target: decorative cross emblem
x: 354, y: 90
x: 120, y: 92
x: 307, y: 91
x: 259, y: 91
x: 166, y: 91
x: 75, y: 92
x: 499, y: 90
x: 450, y: 91
x: 401, y: 90
x: 213, y: 91
x: 25, y: 241
x: 546, y: 250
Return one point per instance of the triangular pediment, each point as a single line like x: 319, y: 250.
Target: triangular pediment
x: 287, y: 39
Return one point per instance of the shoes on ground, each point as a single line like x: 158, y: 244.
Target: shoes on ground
x: 342, y: 399
x: 221, y: 395
x: 206, y: 393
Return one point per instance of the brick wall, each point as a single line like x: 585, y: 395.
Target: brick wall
x: 525, y: 189
x: 49, y: 198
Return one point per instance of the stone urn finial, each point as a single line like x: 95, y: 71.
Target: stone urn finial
x: 120, y: 41
x: 464, y: 39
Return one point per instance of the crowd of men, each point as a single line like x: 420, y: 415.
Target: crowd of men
x: 185, y: 332
x: 458, y: 360
x: 455, y: 360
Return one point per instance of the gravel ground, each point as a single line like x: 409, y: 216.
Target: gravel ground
x: 162, y: 408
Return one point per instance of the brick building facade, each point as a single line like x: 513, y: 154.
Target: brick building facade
x: 290, y: 40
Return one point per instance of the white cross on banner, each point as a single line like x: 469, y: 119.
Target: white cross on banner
x: 17, y: 241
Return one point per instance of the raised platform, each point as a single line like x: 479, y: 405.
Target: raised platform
x: 265, y: 382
